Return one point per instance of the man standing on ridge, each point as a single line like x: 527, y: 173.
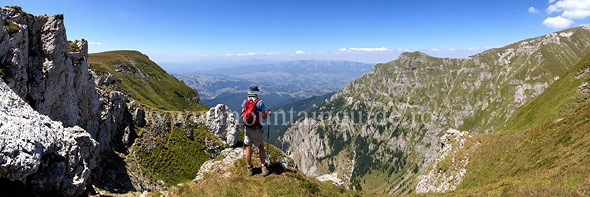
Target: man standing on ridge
x: 252, y: 109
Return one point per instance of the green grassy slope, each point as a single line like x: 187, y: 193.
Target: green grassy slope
x: 558, y: 99
x: 544, y: 149
x: 176, y: 158
x: 145, y: 81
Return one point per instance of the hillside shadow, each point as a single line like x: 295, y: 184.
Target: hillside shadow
x: 275, y: 168
x: 112, y: 174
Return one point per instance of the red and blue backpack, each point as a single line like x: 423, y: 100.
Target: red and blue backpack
x: 250, y: 116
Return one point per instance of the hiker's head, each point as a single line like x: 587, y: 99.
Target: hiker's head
x: 253, y: 90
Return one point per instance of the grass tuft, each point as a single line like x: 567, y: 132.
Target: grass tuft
x: 10, y: 26
x: 73, y: 47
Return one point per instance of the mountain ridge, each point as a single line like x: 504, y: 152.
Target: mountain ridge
x: 544, y: 151
x: 420, y: 93
x: 133, y: 73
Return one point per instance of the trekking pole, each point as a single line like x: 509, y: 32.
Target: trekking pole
x: 268, y: 128
x: 268, y: 134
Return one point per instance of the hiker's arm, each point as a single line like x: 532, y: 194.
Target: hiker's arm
x: 264, y: 114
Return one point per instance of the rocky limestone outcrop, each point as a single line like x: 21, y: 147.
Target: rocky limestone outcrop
x: 451, y: 164
x: 38, y: 65
x: 51, y: 75
x: 117, y: 121
x: 222, y: 122
x: 41, y: 153
x: 333, y: 177
x: 222, y: 164
x: 230, y: 155
x: 104, y: 80
x: 309, y: 146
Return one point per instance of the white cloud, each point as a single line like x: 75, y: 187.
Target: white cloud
x: 94, y: 43
x: 568, y: 5
x: 364, y: 49
x: 576, y: 14
x: 557, y: 22
x: 533, y: 10
x: 299, y: 52
x: 568, y: 10
x: 434, y: 49
x: 451, y: 49
x: 473, y: 48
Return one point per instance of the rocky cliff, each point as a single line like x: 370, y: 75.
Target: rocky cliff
x: 64, y: 121
x: 449, y: 168
x: 38, y: 65
x: 50, y: 74
x: 385, y: 125
x: 41, y: 153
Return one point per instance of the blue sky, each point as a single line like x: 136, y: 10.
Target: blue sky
x: 201, y: 33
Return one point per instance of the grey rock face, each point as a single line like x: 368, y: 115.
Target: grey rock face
x: 40, y: 151
x: 448, y: 179
x: 309, y: 145
x: 54, y: 81
x: 104, y: 80
x: 81, y: 152
x: 51, y: 75
x: 115, y: 118
x: 220, y: 121
x: 20, y: 156
x: 139, y: 117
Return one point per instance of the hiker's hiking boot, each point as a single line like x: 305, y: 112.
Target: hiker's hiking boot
x: 250, y: 171
x: 265, y: 171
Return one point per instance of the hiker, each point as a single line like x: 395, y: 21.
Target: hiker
x: 252, y: 109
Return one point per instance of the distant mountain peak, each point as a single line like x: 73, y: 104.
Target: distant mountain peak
x: 414, y: 54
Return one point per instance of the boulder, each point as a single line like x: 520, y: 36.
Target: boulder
x: 41, y: 153
x: 220, y: 121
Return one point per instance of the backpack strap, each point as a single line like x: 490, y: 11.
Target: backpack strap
x: 255, y: 103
